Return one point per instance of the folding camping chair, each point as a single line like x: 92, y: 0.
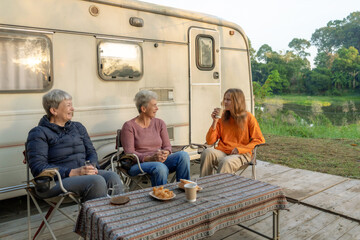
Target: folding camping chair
x: 115, y: 162
x: 252, y: 162
x: 41, y: 183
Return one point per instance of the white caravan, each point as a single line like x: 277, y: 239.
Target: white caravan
x: 102, y: 52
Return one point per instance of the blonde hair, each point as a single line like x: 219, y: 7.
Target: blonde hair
x: 238, y: 111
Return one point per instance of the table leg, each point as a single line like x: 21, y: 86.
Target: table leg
x: 276, y: 226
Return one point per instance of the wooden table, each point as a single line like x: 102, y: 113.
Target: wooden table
x: 225, y: 200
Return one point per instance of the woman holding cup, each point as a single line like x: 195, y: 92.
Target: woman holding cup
x: 58, y: 142
x: 238, y: 133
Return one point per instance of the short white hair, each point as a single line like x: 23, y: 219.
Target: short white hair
x: 143, y: 97
x: 53, y: 98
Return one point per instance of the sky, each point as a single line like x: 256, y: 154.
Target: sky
x: 272, y: 22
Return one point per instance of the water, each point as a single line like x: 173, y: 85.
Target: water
x: 338, y: 113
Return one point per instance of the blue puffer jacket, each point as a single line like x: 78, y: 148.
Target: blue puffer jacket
x: 66, y: 148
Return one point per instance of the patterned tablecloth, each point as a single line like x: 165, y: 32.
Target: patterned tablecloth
x: 225, y: 200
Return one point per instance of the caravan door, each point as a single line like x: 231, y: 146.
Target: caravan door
x: 205, y: 80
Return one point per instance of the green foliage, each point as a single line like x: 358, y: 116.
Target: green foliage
x: 346, y: 67
x: 274, y: 83
x: 318, y: 81
x: 262, y: 53
x: 338, y: 33
x: 300, y: 46
x: 337, y: 63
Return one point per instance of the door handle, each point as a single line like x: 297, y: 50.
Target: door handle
x: 216, y: 75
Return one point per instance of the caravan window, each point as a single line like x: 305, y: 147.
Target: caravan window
x: 25, y: 62
x: 119, y: 61
x: 205, y: 52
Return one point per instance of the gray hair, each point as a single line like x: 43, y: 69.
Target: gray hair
x: 53, y: 98
x: 143, y: 98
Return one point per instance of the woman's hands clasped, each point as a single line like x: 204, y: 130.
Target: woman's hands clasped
x: 88, y: 169
x: 234, y: 151
x: 159, y: 156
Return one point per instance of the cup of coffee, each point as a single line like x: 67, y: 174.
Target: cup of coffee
x: 190, y: 191
x: 219, y: 112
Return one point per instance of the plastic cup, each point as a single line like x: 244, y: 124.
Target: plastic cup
x: 118, y: 189
x: 190, y: 191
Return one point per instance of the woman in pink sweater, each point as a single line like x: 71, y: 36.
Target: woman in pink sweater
x: 147, y: 137
x: 238, y: 133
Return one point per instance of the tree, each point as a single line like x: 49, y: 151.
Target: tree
x: 338, y: 33
x: 324, y: 60
x: 299, y: 46
x: 263, y: 52
x: 346, y: 67
x: 318, y: 81
x: 274, y: 83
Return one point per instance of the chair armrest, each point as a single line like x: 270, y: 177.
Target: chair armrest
x: 51, y: 172
x: 133, y: 157
x: 253, y: 158
x: 200, y: 147
x: 138, y: 162
x: 259, y: 145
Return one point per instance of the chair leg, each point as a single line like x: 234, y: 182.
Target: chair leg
x: 41, y: 227
x: 42, y: 216
x: 253, y: 171
x: 173, y: 179
x: 29, y: 213
x: 50, y: 214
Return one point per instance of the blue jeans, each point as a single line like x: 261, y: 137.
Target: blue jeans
x: 159, y: 172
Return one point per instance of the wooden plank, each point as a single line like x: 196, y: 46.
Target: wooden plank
x: 304, y: 223
x: 17, y: 229
x: 343, y: 198
x: 289, y: 221
x: 335, y: 229
x: 352, y: 234
x: 265, y: 170
x: 300, y: 184
x: 311, y: 226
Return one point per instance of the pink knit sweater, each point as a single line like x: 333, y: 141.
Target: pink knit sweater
x: 145, y: 141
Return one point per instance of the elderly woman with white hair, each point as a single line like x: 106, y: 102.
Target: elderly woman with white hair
x: 147, y: 137
x: 58, y: 142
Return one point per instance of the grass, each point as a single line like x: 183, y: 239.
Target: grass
x: 333, y: 156
x: 311, y: 143
x: 308, y: 100
x: 334, y: 132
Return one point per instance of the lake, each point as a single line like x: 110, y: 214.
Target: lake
x: 339, y: 113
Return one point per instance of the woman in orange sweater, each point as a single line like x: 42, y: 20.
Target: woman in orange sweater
x: 238, y: 133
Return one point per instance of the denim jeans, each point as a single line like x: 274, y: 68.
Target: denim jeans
x: 88, y: 186
x: 159, y: 172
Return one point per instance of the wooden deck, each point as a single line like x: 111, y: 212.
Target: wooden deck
x: 322, y: 206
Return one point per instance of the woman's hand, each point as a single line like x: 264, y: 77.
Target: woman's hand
x: 214, y: 118
x: 159, y: 156
x: 84, y: 170
x: 215, y: 113
x: 234, y: 151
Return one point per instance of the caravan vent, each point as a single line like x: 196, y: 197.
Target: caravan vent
x: 171, y: 133
x: 164, y: 94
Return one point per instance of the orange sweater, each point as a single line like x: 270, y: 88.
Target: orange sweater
x: 231, y: 136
